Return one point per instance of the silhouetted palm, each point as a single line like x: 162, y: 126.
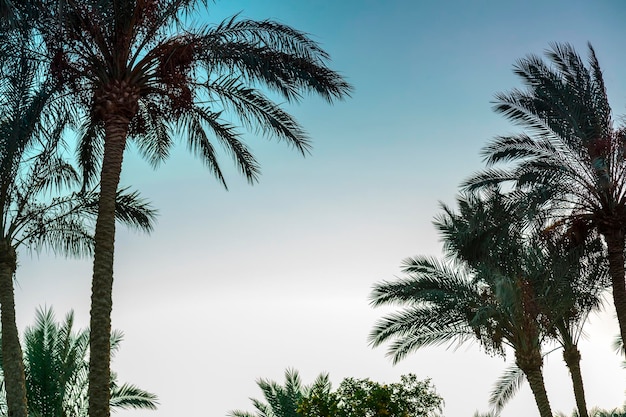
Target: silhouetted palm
x: 484, y: 293
x: 572, y: 156
x: 30, y: 168
x: 139, y: 76
x: 37, y: 209
x: 566, y: 273
x: 56, y: 368
x: 577, y: 277
x: 283, y: 400
x: 528, y: 282
x: 569, y: 279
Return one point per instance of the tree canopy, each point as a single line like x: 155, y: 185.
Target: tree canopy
x: 354, y: 397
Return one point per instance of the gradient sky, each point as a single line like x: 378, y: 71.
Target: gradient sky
x: 241, y: 284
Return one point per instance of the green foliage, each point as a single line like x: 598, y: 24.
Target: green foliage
x: 616, y: 412
x: 408, y: 398
x: 365, y: 398
x: 283, y: 400
x: 56, y: 367
x: 354, y: 398
x: 320, y: 402
x: 598, y: 412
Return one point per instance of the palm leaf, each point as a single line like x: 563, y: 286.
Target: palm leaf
x: 506, y: 387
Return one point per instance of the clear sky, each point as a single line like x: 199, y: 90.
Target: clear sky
x: 240, y: 284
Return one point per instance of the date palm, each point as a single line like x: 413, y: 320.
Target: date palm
x: 577, y: 275
x: 545, y: 282
x: 566, y: 272
x: 571, y: 155
x: 37, y: 209
x: 56, y: 368
x: 482, y: 293
x: 139, y: 76
x: 30, y: 167
x: 569, y: 278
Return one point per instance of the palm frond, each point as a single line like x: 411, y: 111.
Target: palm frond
x: 283, y: 400
x: 134, y: 211
x: 90, y: 150
x: 130, y: 209
x: 506, y: 387
x: 151, y: 133
x: 130, y: 396
x: 226, y: 134
x: 258, y: 112
x: 253, y: 50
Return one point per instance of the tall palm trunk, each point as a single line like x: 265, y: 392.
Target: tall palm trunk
x: 12, y: 358
x: 615, y: 241
x: 116, y: 128
x: 571, y: 355
x: 530, y: 363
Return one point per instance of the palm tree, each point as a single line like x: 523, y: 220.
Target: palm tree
x: 569, y: 281
x: 572, y: 157
x: 493, y: 235
x: 566, y: 272
x: 56, y: 370
x: 139, y: 76
x: 544, y: 284
x: 284, y: 400
x: 445, y: 306
x: 20, y: 107
x: 576, y: 277
x: 483, y: 293
x: 36, y: 208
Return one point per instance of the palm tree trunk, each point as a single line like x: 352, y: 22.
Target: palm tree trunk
x: 571, y: 355
x: 116, y: 128
x: 530, y: 363
x: 535, y: 380
x: 12, y: 358
x: 615, y: 244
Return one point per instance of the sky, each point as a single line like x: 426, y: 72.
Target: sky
x: 238, y: 285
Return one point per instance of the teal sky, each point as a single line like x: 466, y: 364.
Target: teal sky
x: 237, y: 285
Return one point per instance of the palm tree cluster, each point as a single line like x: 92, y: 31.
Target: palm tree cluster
x: 117, y: 72
x: 573, y: 160
x: 39, y: 199
x: 526, y: 266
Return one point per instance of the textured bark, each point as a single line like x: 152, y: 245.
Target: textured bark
x: 535, y: 380
x: 531, y: 363
x: 102, y: 284
x: 615, y: 245
x: 12, y: 358
x: 571, y: 355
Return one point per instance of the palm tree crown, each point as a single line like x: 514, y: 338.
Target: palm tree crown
x: 496, y: 289
x: 126, y: 59
x: 284, y: 400
x: 139, y: 74
x: 571, y: 158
